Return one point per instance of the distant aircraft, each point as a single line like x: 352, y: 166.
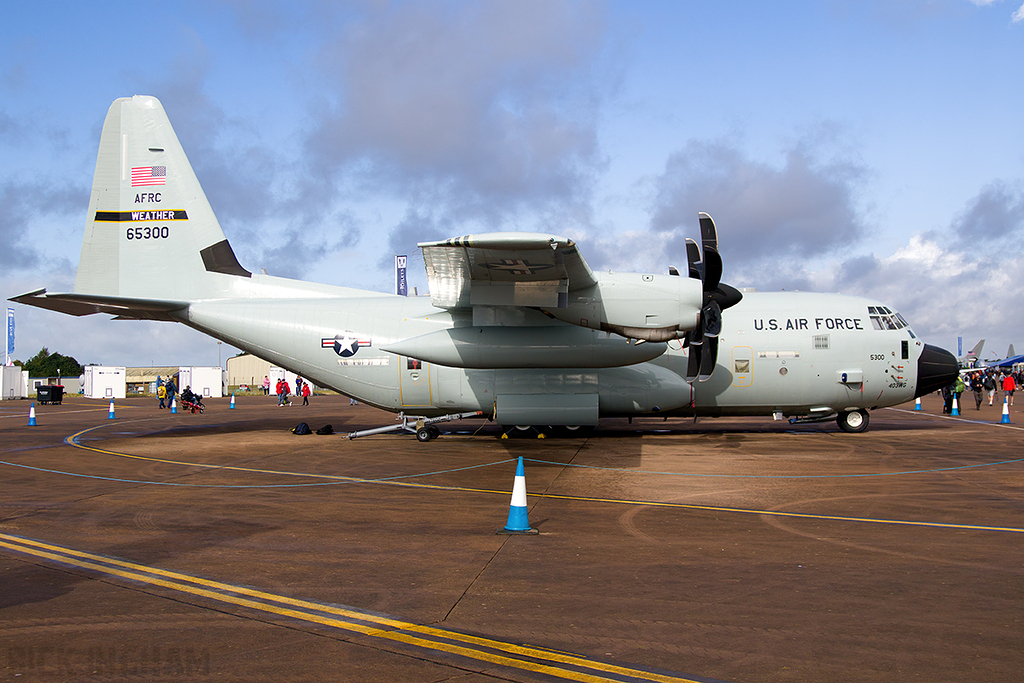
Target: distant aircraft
x: 1010, y: 360
x: 970, y: 359
x: 1010, y: 353
x: 517, y: 325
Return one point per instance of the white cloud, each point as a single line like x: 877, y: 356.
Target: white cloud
x: 482, y: 107
x: 1016, y: 17
x: 924, y: 255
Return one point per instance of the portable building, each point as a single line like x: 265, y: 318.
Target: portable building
x: 205, y: 381
x: 14, y: 382
x: 104, y: 381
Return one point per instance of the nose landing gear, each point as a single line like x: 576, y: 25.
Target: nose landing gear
x: 853, y: 421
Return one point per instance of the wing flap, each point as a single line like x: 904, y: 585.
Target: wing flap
x: 504, y: 269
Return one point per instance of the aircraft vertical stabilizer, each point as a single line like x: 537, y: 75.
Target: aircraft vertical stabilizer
x: 146, y: 195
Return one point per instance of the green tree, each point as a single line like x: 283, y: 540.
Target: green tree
x: 46, y: 364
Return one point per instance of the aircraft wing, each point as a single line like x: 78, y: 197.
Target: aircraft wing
x: 504, y: 269
x: 87, y: 304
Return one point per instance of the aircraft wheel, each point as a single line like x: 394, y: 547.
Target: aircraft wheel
x: 423, y: 434
x: 434, y: 431
x: 854, y: 421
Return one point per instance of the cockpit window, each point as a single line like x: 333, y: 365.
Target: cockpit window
x: 883, y: 318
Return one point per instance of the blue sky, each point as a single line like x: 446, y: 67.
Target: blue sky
x: 868, y: 147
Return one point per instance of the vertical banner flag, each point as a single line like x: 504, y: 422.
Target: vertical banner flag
x: 10, y: 335
x: 401, y: 282
x: 959, y: 346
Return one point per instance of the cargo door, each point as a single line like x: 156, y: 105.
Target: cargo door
x: 415, y: 384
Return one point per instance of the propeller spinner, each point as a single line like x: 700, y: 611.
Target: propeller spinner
x: 703, y: 341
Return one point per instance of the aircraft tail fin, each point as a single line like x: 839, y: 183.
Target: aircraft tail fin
x: 1010, y: 353
x: 150, y: 231
x: 976, y: 351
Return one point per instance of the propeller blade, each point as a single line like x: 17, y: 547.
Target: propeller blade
x: 693, y: 364
x: 703, y: 341
x: 712, y: 268
x: 708, y: 359
x: 696, y: 268
x: 672, y: 270
x: 726, y: 296
x: 708, y: 232
x: 712, y: 319
x: 697, y: 333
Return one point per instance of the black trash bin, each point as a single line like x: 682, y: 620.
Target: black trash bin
x: 50, y: 393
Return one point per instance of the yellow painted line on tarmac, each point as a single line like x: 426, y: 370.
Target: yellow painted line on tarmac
x: 618, y: 501
x: 780, y: 513
x: 476, y: 648
x: 72, y: 441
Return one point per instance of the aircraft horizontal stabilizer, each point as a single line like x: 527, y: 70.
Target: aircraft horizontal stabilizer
x: 88, y: 304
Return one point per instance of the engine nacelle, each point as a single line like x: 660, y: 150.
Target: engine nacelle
x: 635, y: 305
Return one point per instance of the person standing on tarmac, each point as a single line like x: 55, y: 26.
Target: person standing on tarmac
x: 170, y: 389
x: 947, y: 399
x: 976, y: 387
x: 958, y: 390
x: 1009, y: 386
x: 990, y: 386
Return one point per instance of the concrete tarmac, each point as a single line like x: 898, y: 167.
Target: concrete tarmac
x: 222, y: 547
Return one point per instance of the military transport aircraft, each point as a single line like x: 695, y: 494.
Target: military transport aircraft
x: 1011, y: 359
x: 1010, y: 354
x: 517, y: 325
x: 972, y: 357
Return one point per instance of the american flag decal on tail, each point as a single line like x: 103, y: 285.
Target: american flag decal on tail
x: 149, y: 175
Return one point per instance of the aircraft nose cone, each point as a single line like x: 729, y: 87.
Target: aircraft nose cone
x: 935, y: 369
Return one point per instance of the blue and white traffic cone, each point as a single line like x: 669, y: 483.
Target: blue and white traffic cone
x: 1005, y: 420
x: 174, y: 407
x: 518, y: 521
x: 110, y: 414
x: 32, y: 415
x: 232, y: 400
x: 917, y: 405
x: 956, y: 406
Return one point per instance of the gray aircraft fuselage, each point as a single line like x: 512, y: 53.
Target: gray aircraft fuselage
x: 790, y: 352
